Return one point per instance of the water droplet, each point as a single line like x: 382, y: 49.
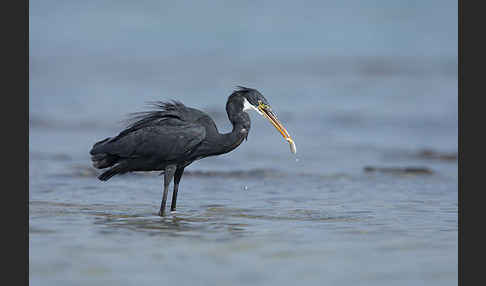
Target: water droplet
x: 297, y: 159
x: 245, y: 188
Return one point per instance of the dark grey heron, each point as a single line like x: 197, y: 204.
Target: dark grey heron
x: 173, y: 136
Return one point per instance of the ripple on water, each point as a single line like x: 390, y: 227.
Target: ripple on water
x: 207, y: 222
x: 83, y: 171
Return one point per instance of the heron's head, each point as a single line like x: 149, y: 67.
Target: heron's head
x: 254, y: 100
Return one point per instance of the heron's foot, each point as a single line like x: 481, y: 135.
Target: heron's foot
x: 161, y: 213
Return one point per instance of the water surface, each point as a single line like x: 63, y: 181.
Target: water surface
x: 370, y: 198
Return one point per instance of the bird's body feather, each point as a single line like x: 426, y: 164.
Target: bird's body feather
x: 154, y: 140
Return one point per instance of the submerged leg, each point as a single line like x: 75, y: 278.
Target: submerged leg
x: 168, y: 175
x: 177, y: 179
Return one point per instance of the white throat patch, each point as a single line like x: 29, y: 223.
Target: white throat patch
x: 248, y: 106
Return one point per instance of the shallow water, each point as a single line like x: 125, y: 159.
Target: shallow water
x: 369, y: 199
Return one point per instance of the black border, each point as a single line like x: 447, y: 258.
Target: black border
x: 459, y: 138
x: 15, y: 140
x: 471, y: 88
x: 26, y: 92
x: 459, y: 143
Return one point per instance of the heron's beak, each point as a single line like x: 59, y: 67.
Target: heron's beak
x: 270, y: 116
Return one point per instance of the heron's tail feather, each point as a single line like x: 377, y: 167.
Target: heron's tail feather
x: 103, y: 160
x: 117, y: 169
x: 99, y: 156
x: 97, y: 144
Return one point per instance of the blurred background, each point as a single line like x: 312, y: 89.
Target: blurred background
x: 367, y: 89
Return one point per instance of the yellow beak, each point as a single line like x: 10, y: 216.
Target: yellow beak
x: 270, y: 116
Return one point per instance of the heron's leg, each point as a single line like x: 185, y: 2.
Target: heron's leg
x: 177, y: 179
x: 168, y: 175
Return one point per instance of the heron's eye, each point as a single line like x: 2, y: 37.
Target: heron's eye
x: 262, y: 105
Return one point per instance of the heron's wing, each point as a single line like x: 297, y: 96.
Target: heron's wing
x: 165, y: 111
x: 167, y: 140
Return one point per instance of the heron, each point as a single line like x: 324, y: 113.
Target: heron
x: 172, y: 136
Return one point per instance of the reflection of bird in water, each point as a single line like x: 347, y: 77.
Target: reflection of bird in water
x: 171, y: 138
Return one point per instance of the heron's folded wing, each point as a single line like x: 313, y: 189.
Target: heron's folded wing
x: 165, y: 142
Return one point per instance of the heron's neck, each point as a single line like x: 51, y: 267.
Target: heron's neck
x: 227, y: 142
x: 223, y: 143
